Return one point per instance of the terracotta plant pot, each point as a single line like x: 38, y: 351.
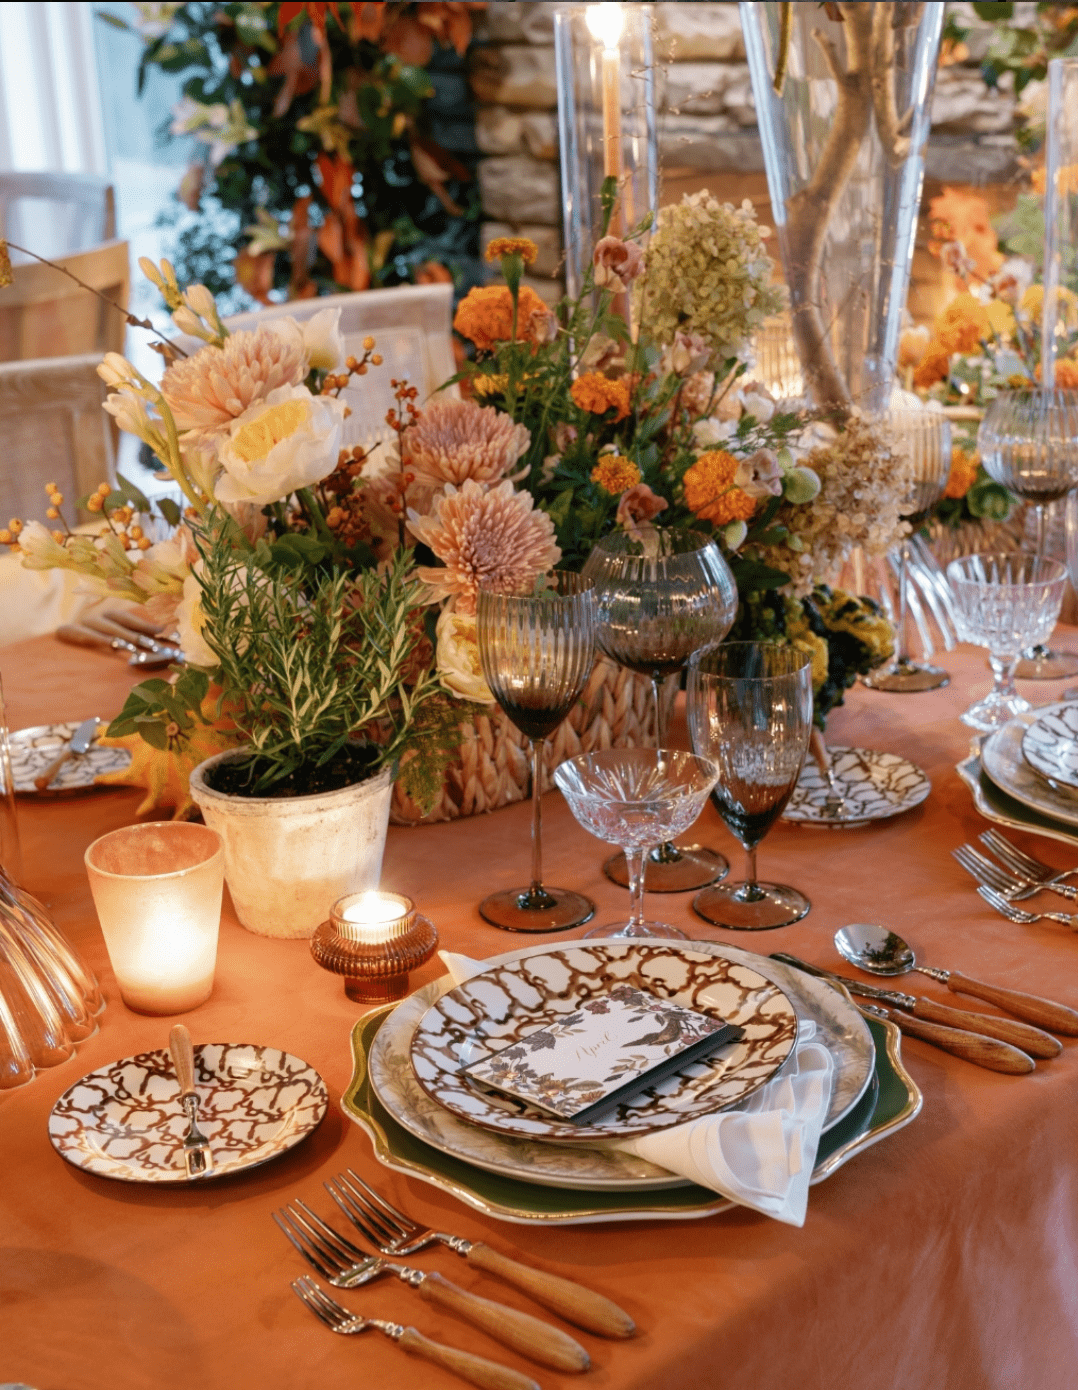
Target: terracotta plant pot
x: 288, y: 859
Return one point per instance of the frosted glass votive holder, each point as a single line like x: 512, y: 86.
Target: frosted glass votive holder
x: 157, y: 889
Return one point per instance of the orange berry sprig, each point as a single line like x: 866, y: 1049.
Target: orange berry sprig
x: 335, y: 382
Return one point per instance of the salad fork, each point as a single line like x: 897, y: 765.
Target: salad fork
x: 1017, y: 914
x: 1033, y: 869
x: 488, y: 1375
x: 348, y: 1267
x: 991, y: 875
x: 393, y: 1233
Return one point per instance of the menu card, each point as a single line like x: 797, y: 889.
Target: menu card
x: 612, y: 1046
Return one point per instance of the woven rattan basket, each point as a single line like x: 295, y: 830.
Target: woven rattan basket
x: 492, y: 767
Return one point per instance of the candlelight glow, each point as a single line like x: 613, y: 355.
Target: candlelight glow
x: 375, y: 907
x: 605, y: 23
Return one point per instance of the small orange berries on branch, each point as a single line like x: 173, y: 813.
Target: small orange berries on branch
x: 335, y: 382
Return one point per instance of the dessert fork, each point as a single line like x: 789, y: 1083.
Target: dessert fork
x: 1016, y: 914
x: 347, y: 1267
x: 1010, y: 885
x: 488, y: 1375
x: 1034, y: 869
x: 393, y: 1233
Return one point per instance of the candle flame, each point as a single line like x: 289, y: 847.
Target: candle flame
x: 605, y: 23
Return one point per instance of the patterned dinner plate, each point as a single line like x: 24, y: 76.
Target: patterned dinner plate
x: 1050, y: 744
x: 1004, y: 761
x: 874, y: 786
x: 32, y: 750
x: 506, y: 1002
x: 839, y: 1026
x: 125, y: 1120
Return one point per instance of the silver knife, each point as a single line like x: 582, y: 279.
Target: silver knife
x: 77, y: 745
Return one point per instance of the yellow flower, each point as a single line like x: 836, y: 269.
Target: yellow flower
x: 961, y: 325
x: 6, y: 277
x: 710, y: 493
x: 488, y: 384
x: 1000, y: 318
x: 520, y: 246
x: 963, y: 473
x: 615, y: 474
x: 1032, y: 302
x: 597, y: 394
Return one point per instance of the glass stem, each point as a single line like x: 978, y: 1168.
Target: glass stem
x: 750, y: 892
x: 1039, y: 524
x: 536, y: 890
x: 1003, y: 668
x: 667, y: 852
x: 902, y: 656
x: 634, y: 863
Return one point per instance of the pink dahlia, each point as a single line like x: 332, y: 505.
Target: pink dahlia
x: 456, y: 440
x: 493, y: 537
x: 207, y: 391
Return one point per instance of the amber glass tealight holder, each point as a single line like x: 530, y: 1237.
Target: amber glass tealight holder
x: 374, y: 939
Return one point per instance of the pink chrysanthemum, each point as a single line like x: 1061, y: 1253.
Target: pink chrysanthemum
x: 493, y: 537
x: 207, y: 391
x: 456, y: 440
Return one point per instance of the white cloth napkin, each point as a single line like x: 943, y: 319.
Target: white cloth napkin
x: 760, y: 1154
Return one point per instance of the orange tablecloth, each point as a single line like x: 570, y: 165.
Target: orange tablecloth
x: 944, y: 1256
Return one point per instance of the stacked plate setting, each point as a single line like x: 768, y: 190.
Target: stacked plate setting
x: 1034, y: 760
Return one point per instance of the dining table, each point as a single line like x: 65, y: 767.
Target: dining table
x: 944, y: 1257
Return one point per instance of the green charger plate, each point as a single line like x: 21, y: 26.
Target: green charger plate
x: 891, y: 1101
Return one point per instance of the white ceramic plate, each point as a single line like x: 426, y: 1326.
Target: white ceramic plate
x: 874, y: 786
x: 125, y: 1120
x: 33, y: 749
x: 1005, y: 764
x: 840, y: 1027
x: 1050, y: 744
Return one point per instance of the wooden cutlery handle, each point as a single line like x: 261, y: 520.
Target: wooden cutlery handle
x: 477, y: 1370
x: 81, y: 636
x: 53, y: 768
x: 1031, y: 1007
x: 1022, y: 1035
x: 572, y: 1301
x: 530, y: 1336
x: 985, y: 1052
x: 183, y: 1058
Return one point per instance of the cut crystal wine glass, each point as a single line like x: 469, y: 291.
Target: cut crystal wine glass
x: 1006, y: 603
x: 660, y: 596
x: 750, y: 712
x: 537, y: 651
x: 636, y: 798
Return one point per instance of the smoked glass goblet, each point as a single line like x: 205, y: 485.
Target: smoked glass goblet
x: 537, y: 651
x: 636, y: 797
x: 750, y: 712
x: 659, y: 597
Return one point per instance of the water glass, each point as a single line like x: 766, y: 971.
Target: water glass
x: 636, y: 798
x: 1005, y: 603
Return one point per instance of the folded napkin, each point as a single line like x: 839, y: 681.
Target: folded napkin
x: 761, y: 1153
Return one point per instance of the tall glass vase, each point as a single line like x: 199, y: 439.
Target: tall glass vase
x: 844, y: 112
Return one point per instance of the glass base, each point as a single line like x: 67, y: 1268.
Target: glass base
x: 994, y: 711
x: 772, y: 905
x: 693, y: 867
x: 623, y: 931
x: 906, y: 677
x: 1040, y: 664
x: 557, y: 909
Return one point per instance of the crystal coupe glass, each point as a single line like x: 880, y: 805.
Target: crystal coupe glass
x: 659, y: 597
x: 750, y: 711
x: 636, y: 798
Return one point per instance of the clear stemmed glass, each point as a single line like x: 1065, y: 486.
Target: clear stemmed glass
x: 1028, y: 441
x: 1005, y: 603
x: 750, y: 711
x: 635, y: 798
x: 927, y: 436
x: 660, y: 596
x: 537, y: 651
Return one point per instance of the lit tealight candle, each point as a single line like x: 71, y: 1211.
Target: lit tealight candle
x: 374, y: 939
x: 373, y: 916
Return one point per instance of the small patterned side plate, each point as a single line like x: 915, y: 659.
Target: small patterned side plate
x: 874, y: 786
x: 32, y: 750
x: 125, y: 1120
x: 1050, y: 744
x: 506, y: 1003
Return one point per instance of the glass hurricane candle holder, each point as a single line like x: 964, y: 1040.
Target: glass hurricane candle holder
x: 374, y: 939
x: 157, y: 889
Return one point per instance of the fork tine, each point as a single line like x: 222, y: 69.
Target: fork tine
x: 356, y: 1215
x: 983, y: 870
x: 329, y: 1305
x: 344, y: 1248
x: 305, y: 1290
x: 395, y: 1230
x: 407, y: 1225
x: 1002, y: 906
x: 295, y: 1236
x: 1008, y: 853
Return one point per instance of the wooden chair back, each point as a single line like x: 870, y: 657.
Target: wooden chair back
x: 45, y: 314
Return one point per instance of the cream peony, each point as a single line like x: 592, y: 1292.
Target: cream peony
x: 190, y: 622
x: 323, y: 341
x: 287, y: 441
x: 457, y: 657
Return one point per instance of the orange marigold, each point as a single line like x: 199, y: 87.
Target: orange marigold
x: 521, y: 246
x: 963, y: 473
x: 710, y: 493
x: 615, y: 474
x: 485, y: 315
x: 598, y: 394
x: 1066, y: 374
x: 961, y: 325
x: 933, y: 366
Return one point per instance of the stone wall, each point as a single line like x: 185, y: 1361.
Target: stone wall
x: 707, y: 125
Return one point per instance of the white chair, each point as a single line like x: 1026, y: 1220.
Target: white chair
x: 55, y: 214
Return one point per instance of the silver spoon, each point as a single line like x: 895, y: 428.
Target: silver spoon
x: 878, y: 951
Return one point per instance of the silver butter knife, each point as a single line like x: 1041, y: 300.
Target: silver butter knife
x: 197, y: 1154
x: 78, y: 744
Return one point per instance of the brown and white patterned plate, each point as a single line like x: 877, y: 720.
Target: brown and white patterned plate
x: 33, y: 749
x: 1050, y: 744
x: 507, y: 1002
x: 125, y: 1120
x: 874, y: 786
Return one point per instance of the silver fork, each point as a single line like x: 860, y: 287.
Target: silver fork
x: 348, y: 1267
x: 1017, y: 914
x: 489, y: 1375
x: 1033, y: 869
x: 992, y: 875
x: 393, y: 1233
